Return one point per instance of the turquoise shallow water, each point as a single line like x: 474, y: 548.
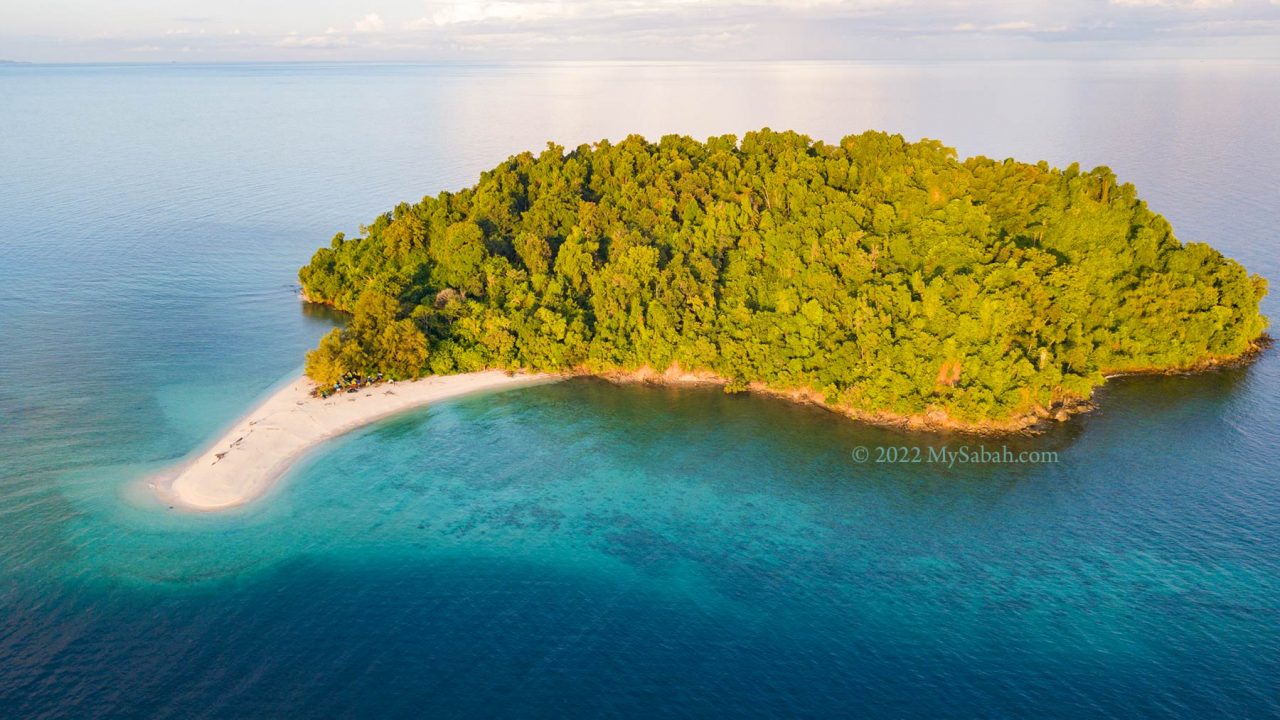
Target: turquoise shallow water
x: 581, y: 548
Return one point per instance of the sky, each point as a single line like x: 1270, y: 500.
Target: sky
x: 532, y: 30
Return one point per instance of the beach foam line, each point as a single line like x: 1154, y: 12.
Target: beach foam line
x: 248, y: 459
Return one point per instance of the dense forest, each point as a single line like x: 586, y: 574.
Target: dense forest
x: 884, y: 276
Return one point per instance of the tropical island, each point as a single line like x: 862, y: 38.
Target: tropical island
x: 886, y: 279
x: 882, y: 279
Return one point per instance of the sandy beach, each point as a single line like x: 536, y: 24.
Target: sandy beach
x: 244, y: 463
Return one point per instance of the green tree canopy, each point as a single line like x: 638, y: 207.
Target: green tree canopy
x: 881, y: 274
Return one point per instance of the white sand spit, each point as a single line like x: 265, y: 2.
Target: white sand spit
x: 244, y: 463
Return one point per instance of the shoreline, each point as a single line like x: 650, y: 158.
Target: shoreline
x: 1031, y: 421
x: 248, y: 459
x: 261, y: 446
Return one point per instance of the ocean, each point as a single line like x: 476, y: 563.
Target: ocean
x: 582, y: 549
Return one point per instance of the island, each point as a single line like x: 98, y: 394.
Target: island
x: 885, y: 279
x: 882, y: 279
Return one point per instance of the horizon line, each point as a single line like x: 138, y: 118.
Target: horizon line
x: 656, y: 61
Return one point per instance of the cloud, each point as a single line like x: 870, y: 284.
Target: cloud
x: 513, y: 30
x: 457, y: 13
x: 313, y: 42
x: 657, y: 29
x: 1186, y: 4
x: 371, y: 23
x: 1008, y: 27
x: 468, y: 12
x: 1014, y: 25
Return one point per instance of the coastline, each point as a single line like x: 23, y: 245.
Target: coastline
x: 936, y: 420
x: 247, y: 460
x: 261, y: 446
x: 1031, y: 421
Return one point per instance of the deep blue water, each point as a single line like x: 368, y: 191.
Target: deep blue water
x: 581, y: 549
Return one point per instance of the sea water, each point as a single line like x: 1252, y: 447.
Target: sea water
x: 579, y: 548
